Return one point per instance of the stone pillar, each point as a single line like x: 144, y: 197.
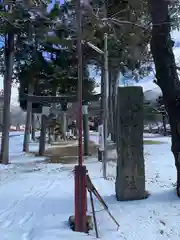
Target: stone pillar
x: 130, y: 179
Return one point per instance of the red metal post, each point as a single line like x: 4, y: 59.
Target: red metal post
x: 80, y: 199
x: 80, y: 170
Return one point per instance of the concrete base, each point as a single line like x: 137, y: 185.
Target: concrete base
x: 89, y: 222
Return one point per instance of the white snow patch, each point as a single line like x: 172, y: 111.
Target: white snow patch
x: 38, y: 198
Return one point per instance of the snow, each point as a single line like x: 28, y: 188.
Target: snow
x: 16, y: 154
x: 37, y: 198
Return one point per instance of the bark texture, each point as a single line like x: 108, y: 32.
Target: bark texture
x: 28, y: 122
x: 113, y: 79
x: 42, y: 140
x: 110, y: 104
x: 166, y: 72
x: 130, y: 178
x: 33, y: 129
x: 64, y: 124
x: 164, y: 123
x: 115, y: 83
x: 9, y: 61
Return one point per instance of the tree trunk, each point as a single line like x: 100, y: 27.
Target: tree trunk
x: 164, y: 124
x: 166, y: 73
x: 53, y: 136
x: 33, y: 129
x: 42, y: 140
x: 64, y: 124
x: 49, y: 136
x: 115, y: 83
x: 28, y: 122
x: 110, y: 103
x: 9, y: 62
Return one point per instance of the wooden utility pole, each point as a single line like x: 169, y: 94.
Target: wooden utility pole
x: 80, y: 169
x: 105, y: 104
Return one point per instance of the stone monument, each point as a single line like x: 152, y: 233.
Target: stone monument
x: 130, y: 179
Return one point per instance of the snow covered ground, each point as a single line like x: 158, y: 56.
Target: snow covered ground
x: 36, y: 199
x: 16, y: 146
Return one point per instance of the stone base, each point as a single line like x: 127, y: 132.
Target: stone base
x: 89, y: 222
x: 133, y: 197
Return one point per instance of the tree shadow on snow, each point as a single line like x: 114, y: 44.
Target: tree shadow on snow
x: 165, y: 196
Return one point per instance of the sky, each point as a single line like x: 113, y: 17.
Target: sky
x: 50, y: 5
x: 53, y: 1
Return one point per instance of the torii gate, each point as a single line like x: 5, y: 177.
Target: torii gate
x: 63, y: 100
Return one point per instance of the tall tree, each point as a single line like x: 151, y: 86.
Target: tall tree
x: 14, y: 15
x: 29, y: 58
x: 128, y: 37
x: 166, y: 73
x: 9, y: 55
x: 9, y: 36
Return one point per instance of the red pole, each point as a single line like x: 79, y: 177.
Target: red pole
x: 80, y: 170
x: 80, y: 150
